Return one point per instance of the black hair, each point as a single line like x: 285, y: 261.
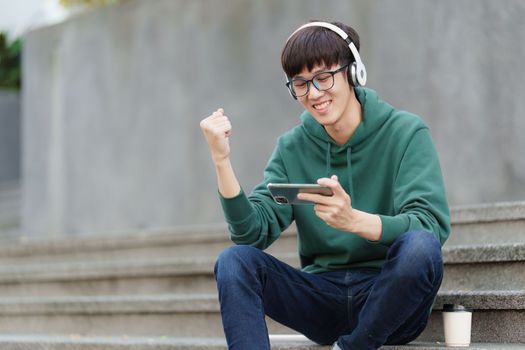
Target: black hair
x: 315, y: 46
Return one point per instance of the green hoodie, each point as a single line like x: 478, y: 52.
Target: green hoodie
x: 388, y: 167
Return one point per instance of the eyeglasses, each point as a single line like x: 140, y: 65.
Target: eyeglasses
x: 322, y: 81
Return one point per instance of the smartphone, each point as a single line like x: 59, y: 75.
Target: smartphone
x: 287, y: 193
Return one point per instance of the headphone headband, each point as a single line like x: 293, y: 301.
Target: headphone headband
x: 326, y: 25
x: 358, y: 71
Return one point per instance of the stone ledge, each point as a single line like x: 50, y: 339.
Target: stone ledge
x: 104, y: 305
x: 75, y: 342
x: 207, y: 303
x: 484, y: 253
x: 125, y: 268
x: 505, y: 211
x: 203, y: 266
x: 483, y: 300
x: 195, y: 234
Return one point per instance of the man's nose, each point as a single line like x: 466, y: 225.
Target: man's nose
x: 313, y: 91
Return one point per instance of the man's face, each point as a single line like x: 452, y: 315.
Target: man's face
x: 330, y: 106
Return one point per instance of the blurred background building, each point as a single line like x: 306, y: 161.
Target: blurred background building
x: 112, y: 97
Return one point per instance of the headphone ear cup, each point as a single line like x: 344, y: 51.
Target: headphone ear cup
x: 288, y: 82
x: 352, y: 74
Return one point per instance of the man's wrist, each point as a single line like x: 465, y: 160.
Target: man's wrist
x: 221, y: 162
x: 366, y: 225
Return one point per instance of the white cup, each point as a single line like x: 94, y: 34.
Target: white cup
x: 457, y: 321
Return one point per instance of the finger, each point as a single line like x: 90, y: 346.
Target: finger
x: 222, y: 129
x: 215, y: 126
x: 214, y: 123
x: 218, y: 113
x: 323, y: 216
x: 314, y: 198
x: 333, y: 184
x: 322, y: 208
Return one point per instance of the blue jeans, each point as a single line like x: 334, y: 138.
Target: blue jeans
x: 361, y: 309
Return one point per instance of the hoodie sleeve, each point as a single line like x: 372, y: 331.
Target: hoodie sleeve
x: 419, y: 195
x: 256, y: 219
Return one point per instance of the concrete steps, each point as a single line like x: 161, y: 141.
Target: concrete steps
x: 488, y: 224
x: 194, y: 241
x: 484, y: 267
x: 76, y: 342
x: 480, y: 224
x: 150, y: 286
x: 498, y: 315
x: 488, y: 267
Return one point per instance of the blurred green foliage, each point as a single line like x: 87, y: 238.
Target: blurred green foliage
x: 10, y: 65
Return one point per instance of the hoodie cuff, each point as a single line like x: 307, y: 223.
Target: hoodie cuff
x: 236, y: 209
x: 393, y: 226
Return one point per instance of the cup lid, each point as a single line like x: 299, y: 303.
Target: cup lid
x: 455, y: 308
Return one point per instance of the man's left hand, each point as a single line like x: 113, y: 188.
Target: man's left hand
x: 335, y: 210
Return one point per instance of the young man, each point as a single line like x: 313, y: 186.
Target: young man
x: 371, y: 252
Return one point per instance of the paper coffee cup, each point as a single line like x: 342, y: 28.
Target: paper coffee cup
x: 457, y: 322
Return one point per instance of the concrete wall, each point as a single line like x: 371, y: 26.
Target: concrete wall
x: 113, y: 100
x: 9, y: 136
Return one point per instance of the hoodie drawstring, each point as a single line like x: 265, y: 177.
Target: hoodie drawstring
x: 349, y: 166
x: 328, y: 156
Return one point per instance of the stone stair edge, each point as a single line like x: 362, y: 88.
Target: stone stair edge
x: 194, y: 234
x: 208, y: 303
x: 487, y: 212
x: 25, y: 246
x: 78, y: 342
x: 73, y: 271
x: 493, y: 252
x: 477, y: 213
x: 186, y: 266
x: 180, y: 266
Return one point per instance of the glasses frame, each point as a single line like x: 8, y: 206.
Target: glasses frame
x: 312, y: 81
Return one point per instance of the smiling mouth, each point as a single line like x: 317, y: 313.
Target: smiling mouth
x: 322, y: 105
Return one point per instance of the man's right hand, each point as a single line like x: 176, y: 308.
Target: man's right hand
x: 217, y: 130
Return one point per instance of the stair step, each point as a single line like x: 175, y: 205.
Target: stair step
x: 488, y: 223
x: 484, y: 267
x: 77, y: 342
x: 489, y: 267
x: 498, y: 316
x: 191, y: 241
x: 151, y: 276
x: 479, y: 224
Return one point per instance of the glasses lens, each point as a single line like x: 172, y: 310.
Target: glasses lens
x: 299, y: 87
x: 324, y: 81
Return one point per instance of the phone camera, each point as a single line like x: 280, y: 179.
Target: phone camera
x: 281, y: 200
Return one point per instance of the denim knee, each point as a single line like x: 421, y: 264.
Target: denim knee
x: 417, y: 253
x: 233, y: 260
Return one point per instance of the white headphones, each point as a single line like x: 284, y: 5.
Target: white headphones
x: 357, y: 71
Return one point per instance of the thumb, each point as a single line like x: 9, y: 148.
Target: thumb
x: 332, y: 183
x: 336, y: 187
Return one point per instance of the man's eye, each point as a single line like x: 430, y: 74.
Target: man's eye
x: 299, y: 83
x: 322, y: 77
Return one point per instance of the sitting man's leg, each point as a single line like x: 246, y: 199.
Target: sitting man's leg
x: 398, y: 305
x: 252, y: 283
